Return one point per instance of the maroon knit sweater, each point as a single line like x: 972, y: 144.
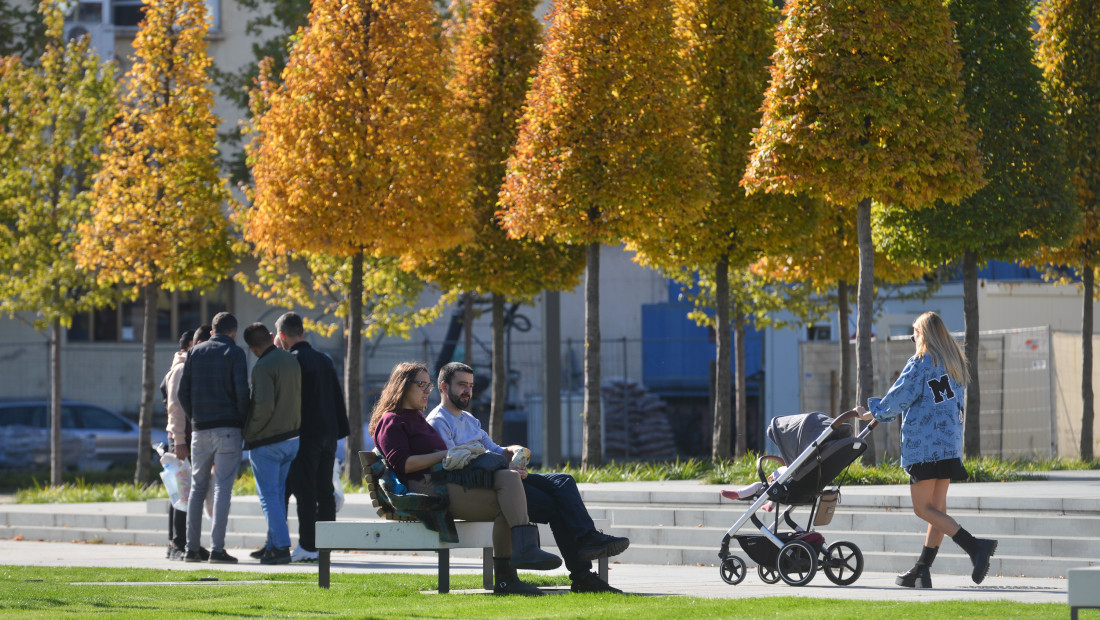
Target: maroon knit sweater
x: 404, y: 433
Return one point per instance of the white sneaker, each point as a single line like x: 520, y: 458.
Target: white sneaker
x: 301, y: 555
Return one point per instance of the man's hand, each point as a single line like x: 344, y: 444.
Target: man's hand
x: 182, y: 451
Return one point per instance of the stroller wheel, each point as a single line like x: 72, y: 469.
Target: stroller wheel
x: 843, y: 563
x: 797, y: 563
x: 768, y: 574
x: 732, y: 570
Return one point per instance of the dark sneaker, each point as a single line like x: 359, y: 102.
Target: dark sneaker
x: 221, y: 557
x: 259, y: 553
x: 515, y: 586
x: 204, y: 553
x: 595, y: 545
x: 591, y: 582
x: 986, y: 548
x: 175, y: 554
x: 192, y: 556
x: 276, y: 555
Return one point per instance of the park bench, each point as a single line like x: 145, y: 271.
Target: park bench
x: 1083, y: 589
x: 397, y: 533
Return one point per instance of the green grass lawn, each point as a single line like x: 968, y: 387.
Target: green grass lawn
x: 35, y: 592
x: 117, y: 485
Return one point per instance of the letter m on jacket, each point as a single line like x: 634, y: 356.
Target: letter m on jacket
x: 941, y: 389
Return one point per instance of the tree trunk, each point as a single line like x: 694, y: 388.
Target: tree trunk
x: 500, y: 373
x: 1088, y: 279
x: 720, y: 440
x: 56, y: 463
x: 353, y: 370
x: 864, y: 309
x: 741, y: 404
x: 592, y: 455
x: 148, y: 353
x: 845, y: 348
x: 972, y: 444
x: 468, y: 328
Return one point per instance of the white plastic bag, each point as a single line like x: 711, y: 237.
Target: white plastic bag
x: 177, y: 479
x: 338, y: 484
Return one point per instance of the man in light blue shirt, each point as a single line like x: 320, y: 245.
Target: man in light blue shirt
x: 551, y: 498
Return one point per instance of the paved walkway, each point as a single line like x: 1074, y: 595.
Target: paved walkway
x: 702, y: 582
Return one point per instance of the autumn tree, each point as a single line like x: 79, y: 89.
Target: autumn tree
x: 158, y: 221
x: 495, y: 54
x: 725, y: 48
x: 605, y: 150
x: 54, y: 113
x: 863, y: 106
x: 1069, y: 53
x: 354, y: 155
x: 1026, y: 202
x: 273, y: 25
x: 822, y: 263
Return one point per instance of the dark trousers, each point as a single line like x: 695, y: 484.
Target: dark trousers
x: 310, y: 482
x: 177, y: 519
x: 177, y: 527
x: 555, y: 500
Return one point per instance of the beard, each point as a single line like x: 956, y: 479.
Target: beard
x: 459, y: 400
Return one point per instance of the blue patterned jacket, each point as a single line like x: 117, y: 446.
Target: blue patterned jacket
x: 930, y: 404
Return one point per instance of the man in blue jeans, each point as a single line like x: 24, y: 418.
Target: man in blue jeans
x: 271, y: 433
x: 213, y: 392
x: 551, y: 498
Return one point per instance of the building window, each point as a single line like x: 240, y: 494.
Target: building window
x: 176, y: 312
x: 131, y: 12
x: 127, y: 12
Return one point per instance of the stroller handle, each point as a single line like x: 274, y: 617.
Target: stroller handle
x: 848, y: 415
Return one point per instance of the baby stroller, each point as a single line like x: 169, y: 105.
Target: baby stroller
x: 815, y: 449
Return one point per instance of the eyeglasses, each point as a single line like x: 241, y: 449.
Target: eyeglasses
x: 423, y: 385
x: 913, y: 338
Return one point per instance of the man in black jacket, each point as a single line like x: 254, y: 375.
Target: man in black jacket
x: 324, y: 422
x: 214, y: 394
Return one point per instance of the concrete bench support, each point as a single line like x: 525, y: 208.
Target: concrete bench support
x: 1083, y: 589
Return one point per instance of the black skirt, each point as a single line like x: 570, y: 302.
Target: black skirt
x: 947, y: 469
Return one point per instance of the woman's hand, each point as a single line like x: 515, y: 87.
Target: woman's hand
x: 418, y: 462
x: 864, y: 414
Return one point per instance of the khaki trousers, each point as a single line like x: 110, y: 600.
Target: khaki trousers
x: 505, y: 505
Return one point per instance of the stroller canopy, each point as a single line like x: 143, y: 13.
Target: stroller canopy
x: 793, y: 434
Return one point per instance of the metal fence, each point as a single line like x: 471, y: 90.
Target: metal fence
x: 1015, y: 375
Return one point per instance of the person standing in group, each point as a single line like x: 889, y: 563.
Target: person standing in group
x: 551, y: 498
x: 213, y: 392
x: 271, y: 433
x: 411, y: 446
x: 179, y: 441
x: 929, y: 396
x: 324, y: 422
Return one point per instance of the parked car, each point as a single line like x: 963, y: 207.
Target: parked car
x: 92, y: 437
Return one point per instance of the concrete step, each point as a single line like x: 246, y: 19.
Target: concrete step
x: 684, y: 523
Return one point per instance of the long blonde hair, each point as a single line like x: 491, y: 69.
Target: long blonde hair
x: 393, y: 395
x: 936, y: 341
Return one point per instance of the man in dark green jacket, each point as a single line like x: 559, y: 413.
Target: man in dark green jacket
x: 271, y: 433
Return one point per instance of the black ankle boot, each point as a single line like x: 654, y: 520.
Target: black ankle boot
x: 919, y: 576
x: 506, y: 581
x: 979, y: 550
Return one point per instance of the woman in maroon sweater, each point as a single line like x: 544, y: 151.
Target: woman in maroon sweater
x: 411, y: 446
